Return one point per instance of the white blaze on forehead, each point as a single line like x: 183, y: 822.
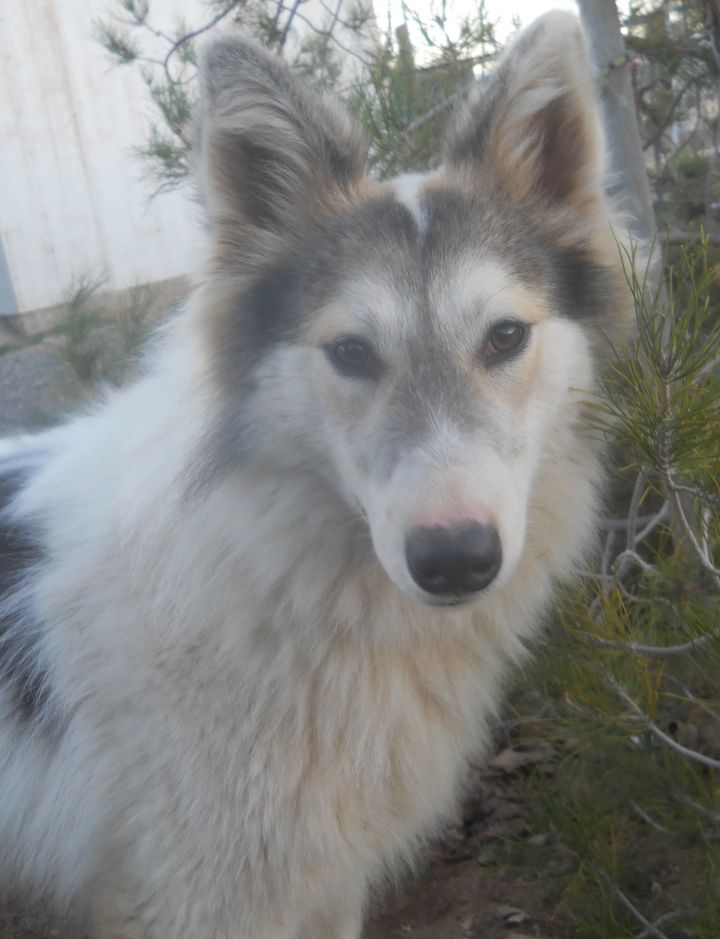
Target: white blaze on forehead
x: 408, y: 190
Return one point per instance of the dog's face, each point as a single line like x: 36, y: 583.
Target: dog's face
x: 419, y: 343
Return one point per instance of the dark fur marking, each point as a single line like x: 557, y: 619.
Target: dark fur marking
x: 260, y: 169
x: 577, y: 285
x: 274, y: 306
x: 17, y: 550
x: 584, y: 289
x: 20, y: 640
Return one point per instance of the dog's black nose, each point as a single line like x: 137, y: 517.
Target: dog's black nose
x: 456, y: 561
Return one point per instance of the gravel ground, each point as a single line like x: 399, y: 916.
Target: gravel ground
x: 37, y: 387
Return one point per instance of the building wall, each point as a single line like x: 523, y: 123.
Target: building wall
x: 73, y: 201
x: 73, y: 198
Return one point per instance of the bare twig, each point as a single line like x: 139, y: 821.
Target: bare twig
x: 667, y: 120
x: 693, y: 755
x: 630, y: 556
x: 698, y: 806
x: 652, y: 523
x: 333, y: 38
x: 707, y: 498
x: 649, y: 819
x: 651, y: 929
x: 187, y: 37
x: 701, y: 553
x: 621, y: 524
x: 689, y: 696
x: 637, y: 647
x: 292, y: 13
x: 665, y: 918
x: 638, y: 490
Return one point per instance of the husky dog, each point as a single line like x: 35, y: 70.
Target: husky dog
x: 257, y: 607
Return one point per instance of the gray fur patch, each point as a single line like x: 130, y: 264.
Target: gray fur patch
x: 22, y: 668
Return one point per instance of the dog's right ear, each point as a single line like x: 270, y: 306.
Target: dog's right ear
x: 271, y: 154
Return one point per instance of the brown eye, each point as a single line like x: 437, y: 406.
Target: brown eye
x: 505, y: 338
x: 353, y: 357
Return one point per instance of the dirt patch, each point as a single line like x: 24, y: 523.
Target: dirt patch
x: 461, y: 901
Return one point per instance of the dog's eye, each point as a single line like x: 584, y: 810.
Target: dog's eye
x: 353, y: 357
x: 505, y: 338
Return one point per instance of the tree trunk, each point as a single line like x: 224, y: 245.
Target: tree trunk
x: 627, y: 163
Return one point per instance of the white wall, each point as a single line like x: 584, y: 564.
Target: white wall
x: 72, y: 197
x: 73, y: 200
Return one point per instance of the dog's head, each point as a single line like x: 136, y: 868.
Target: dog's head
x: 423, y: 344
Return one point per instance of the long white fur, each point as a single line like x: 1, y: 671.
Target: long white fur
x: 355, y: 708
x: 256, y: 725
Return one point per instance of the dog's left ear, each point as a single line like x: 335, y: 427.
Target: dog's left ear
x: 535, y: 121
x: 271, y: 153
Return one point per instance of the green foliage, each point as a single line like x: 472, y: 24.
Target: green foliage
x: 663, y: 394
x: 400, y: 83
x: 101, y: 344
x: 78, y: 341
x: 629, y: 676
x: 403, y: 105
x: 676, y: 68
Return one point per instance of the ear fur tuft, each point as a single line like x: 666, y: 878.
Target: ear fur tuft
x: 535, y: 121
x: 271, y: 153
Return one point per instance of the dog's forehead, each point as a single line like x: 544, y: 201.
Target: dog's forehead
x: 421, y: 249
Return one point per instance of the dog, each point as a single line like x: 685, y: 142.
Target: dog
x: 258, y: 606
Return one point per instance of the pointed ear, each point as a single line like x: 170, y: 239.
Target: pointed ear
x: 272, y: 154
x: 535, y: 121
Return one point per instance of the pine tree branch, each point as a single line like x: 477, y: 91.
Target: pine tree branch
x: 333, y: 38
x: 652, y: 522
x: 669, y: 115
x: 638, y: 490
x: 187, y: 37
x: 629, y: 555
x: 335, y: 14
x: 292, y: 13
